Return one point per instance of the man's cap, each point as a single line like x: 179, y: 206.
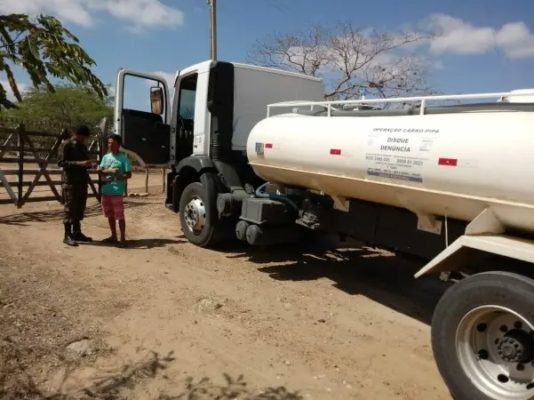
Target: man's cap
x: 83, y: 130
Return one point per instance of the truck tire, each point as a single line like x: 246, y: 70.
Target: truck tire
x: 483, y: 337
x: 198, y: 211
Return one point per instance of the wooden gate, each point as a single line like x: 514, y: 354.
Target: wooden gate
x: 28, y: 165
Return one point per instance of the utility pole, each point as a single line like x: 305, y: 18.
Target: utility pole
x: 213, y: 29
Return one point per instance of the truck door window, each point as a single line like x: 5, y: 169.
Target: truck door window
x: 188, y: 89
x: 136, y: 94
x: 186, y: 116
x: 143, y: 132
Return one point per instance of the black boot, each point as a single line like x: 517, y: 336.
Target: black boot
x: 68, y: 240
x: 77, y: 233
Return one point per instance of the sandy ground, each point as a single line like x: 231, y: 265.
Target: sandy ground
x: 164, y: 319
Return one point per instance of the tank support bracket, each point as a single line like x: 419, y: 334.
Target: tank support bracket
x: 429, y: 223
x: 341, y: 203
x: 485, y: 222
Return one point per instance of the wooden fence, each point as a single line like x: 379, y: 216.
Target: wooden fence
x: 28, y: 165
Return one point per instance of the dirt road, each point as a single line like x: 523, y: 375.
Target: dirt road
x: 164, y: 319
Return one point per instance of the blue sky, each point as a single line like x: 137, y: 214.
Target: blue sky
x: 481, y: 46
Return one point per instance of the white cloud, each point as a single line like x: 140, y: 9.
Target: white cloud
x: 72, y: 11
x: 138, y: 14
x: 456, y: 36
x: 516, y: 40
x: 141, y: 13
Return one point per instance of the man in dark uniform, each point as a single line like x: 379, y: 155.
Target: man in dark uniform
x: 74, y: 159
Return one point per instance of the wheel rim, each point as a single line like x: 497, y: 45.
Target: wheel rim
x: 195, y: 215
x: 495, y: 347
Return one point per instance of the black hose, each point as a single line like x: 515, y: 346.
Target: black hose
x: 279, y: 197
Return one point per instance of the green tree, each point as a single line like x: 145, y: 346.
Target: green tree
x: 65, y: 107
x: 44, y: 49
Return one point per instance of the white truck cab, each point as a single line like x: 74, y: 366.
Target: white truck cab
x: 220, y: 98
x: 201, y: 131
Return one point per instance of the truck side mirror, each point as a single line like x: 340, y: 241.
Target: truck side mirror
x: 156, y: 100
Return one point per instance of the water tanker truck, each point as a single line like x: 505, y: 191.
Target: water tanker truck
x: 257, y: 155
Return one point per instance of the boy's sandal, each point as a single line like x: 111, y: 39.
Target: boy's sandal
x: 110, y: 239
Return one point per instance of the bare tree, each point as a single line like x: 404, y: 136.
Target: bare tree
x: 348, y: 60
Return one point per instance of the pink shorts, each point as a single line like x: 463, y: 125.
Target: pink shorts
x: 113, y: 206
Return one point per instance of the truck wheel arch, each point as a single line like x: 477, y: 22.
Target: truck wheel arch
x: 189, y: 170
x: 197, y: 163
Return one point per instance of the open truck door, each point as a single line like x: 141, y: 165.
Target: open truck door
x: 143, y: 119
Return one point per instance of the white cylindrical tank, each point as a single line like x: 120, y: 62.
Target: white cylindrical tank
x: 454, y: 165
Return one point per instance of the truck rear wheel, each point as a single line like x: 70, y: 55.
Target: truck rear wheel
x: 483, y: 337
x: 198, y: 213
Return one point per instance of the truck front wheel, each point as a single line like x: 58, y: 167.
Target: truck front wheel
x: 198, y: 214
x: 483, y: 337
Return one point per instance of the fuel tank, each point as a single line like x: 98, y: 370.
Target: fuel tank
x: 447, y: 163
